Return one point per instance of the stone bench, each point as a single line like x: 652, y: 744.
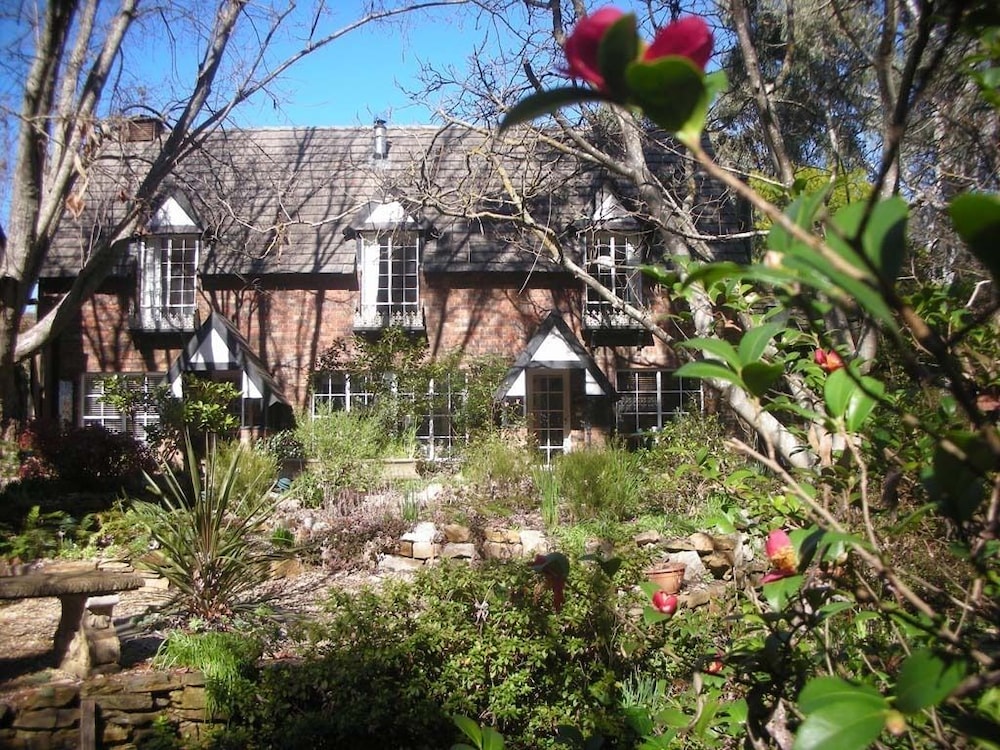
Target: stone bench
x: 85, y: 641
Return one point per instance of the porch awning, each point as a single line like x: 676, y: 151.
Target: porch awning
x: 554, y: 347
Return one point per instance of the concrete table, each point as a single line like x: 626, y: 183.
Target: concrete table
x: 85, y: 641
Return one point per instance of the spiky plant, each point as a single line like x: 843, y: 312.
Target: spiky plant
x: 211, y: 545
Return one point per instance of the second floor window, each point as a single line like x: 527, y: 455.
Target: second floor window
x: 613, y: 259
x: 168, y: 268
x: 390, y: 280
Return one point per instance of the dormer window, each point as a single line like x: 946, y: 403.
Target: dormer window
x: 390, y: 280
x: 168, y: 271
x: 613, y: 259
x: 389, y: 270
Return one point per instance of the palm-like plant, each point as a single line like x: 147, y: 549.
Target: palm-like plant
x: 211, y: 548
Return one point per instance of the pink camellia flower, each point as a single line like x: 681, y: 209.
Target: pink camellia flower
x: 583, y: 45
x: 687, y: 37
x: 828, y: 361
x: 781, y: 552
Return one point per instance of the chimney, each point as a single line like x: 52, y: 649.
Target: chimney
x: 381, y: 142
x: 140, y: 129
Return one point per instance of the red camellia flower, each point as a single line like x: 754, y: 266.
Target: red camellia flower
x: 686, y: 37
x: 554, y: 568
x: 583, y: 45
x: 664, y: 602
x: 828, y: 361
x: 781, y: 552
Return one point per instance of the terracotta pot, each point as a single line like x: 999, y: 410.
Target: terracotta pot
x: 668, y: 576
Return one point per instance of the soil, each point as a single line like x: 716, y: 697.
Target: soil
x: 27, y: 626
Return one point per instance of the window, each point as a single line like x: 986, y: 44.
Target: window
x: 168, y: 269
x: 613, y: 260
x: 650, y: 397
x: 433, y: 413
x: 96, y: 412
x: 389, y: 281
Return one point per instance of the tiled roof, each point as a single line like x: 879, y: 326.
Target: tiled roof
x: 289, y: 200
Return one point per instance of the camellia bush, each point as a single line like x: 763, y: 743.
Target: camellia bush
x: 878, y: 622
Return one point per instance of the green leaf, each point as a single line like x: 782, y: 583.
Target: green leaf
x: 758, y: 377
x: 619, y: 48
x: 547, y: 102
x: 717, y: 347
x: 925, y: 680
x: 837, y: 392
x: 845, y: 725
x: 884, y: 239
x: 976, y: 217
x: 755, y: 341
x: 821, y: 691
x: 861, y: 404
x: 711, y: 370
x: 803, y: 212
x: 715, y: 83
x: 839, y: 715
x: 670, y: 90
x: 652, y: 616
x: 469, y: 728
x: 492, y: 739
x: 777, y: 592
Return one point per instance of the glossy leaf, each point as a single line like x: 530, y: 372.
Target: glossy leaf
x: 925, y: 680
x: 883, y: 241
x: 839, y: 715
x: 758, y: 377
x: 547, y: 102
x: 803, y: 213
x: 670, y: 90
x: 778, y: 592
x: 976, y: 217
x: 851, y: 724
x: 709, y: 370
x: 717, y: 347
x: 837, y: 393
x: 863, y: 401
x: 755, y: 341
x: 821, y: 691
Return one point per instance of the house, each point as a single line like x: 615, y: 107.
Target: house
x: 268, y: 246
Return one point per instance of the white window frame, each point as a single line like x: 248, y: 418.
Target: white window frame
x: 93, y: 411
x: 669, y: 397
x: 389, y: 280
x: 613, y: 258
x: 339, y: 391
x: 168, y: 281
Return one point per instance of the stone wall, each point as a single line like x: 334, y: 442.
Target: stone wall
x: 116, y: 711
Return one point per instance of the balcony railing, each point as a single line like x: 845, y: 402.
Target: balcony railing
x: 607, y: 317
x: 379, y: 318
x: 162, y: 319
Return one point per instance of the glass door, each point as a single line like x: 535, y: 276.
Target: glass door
x: 548, y: 412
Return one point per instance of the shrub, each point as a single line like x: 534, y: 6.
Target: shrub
x: 227, y: 659
x: 211, y: 547
x: 601, y: 483
x: 345, y: 446
x: 499, y: 464
x: 388, y: 667
x: 91, y: 458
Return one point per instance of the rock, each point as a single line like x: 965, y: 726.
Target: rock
x: 533, y: 543
x: 424, y: 532
x: 719, y: 563
x: 457, y: 533
x: 646, y: 538
x: 396, y: 564
x: 701, y: 542
x: 425, y: 550
x: 678, y: 545
x: 695, y: 569
x: 460, y: 551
